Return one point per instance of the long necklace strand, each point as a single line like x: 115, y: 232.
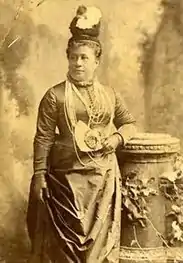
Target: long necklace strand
x: 73, y: 121
x: 71, y: 128
x: 103, y: 95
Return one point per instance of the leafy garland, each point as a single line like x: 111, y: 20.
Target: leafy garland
x: 134, y: 197
x: 171, y: 185
x: 136, y: 192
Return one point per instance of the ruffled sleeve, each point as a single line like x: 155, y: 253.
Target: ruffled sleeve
x: 123, y: 119
x: 45, y: 132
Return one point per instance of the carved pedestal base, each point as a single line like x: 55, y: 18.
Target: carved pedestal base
x: 147, y: 156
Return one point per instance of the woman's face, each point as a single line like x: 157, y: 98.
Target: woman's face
x: 82, y: 63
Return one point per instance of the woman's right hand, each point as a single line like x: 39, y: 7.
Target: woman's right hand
x: 111, y: 143
x: 40, y: 187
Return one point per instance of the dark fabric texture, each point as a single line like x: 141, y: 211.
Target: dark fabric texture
x: 80, y: 221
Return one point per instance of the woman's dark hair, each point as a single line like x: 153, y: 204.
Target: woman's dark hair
x: 96, y: 45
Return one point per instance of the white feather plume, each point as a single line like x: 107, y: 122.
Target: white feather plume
x: 90, y: 18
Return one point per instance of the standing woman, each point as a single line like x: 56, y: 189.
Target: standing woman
x: 74, y: 208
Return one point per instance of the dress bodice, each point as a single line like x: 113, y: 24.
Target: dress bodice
x: 51, y: 114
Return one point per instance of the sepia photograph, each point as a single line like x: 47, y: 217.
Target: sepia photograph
x: 91, y: 131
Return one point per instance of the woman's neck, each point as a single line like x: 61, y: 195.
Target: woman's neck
x: 80, y: 83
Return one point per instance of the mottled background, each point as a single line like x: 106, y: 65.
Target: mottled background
x: 143, y: 59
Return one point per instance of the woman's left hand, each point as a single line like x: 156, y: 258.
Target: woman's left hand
x: 111, y: 143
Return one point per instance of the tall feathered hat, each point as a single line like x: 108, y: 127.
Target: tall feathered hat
x: 86, y: 24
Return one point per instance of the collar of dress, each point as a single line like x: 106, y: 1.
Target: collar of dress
x: 83, y: 83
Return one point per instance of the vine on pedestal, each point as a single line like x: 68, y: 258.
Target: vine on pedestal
x: 171, y: 185
x: 135, y: 193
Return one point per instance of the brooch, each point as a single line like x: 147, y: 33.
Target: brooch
x: 92, y: 138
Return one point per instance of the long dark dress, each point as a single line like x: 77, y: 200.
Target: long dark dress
x: 80, y: 222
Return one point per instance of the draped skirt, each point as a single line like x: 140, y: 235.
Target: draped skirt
x: 80, y: 221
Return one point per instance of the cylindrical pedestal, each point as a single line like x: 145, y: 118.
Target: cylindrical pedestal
x: 146, y: 156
